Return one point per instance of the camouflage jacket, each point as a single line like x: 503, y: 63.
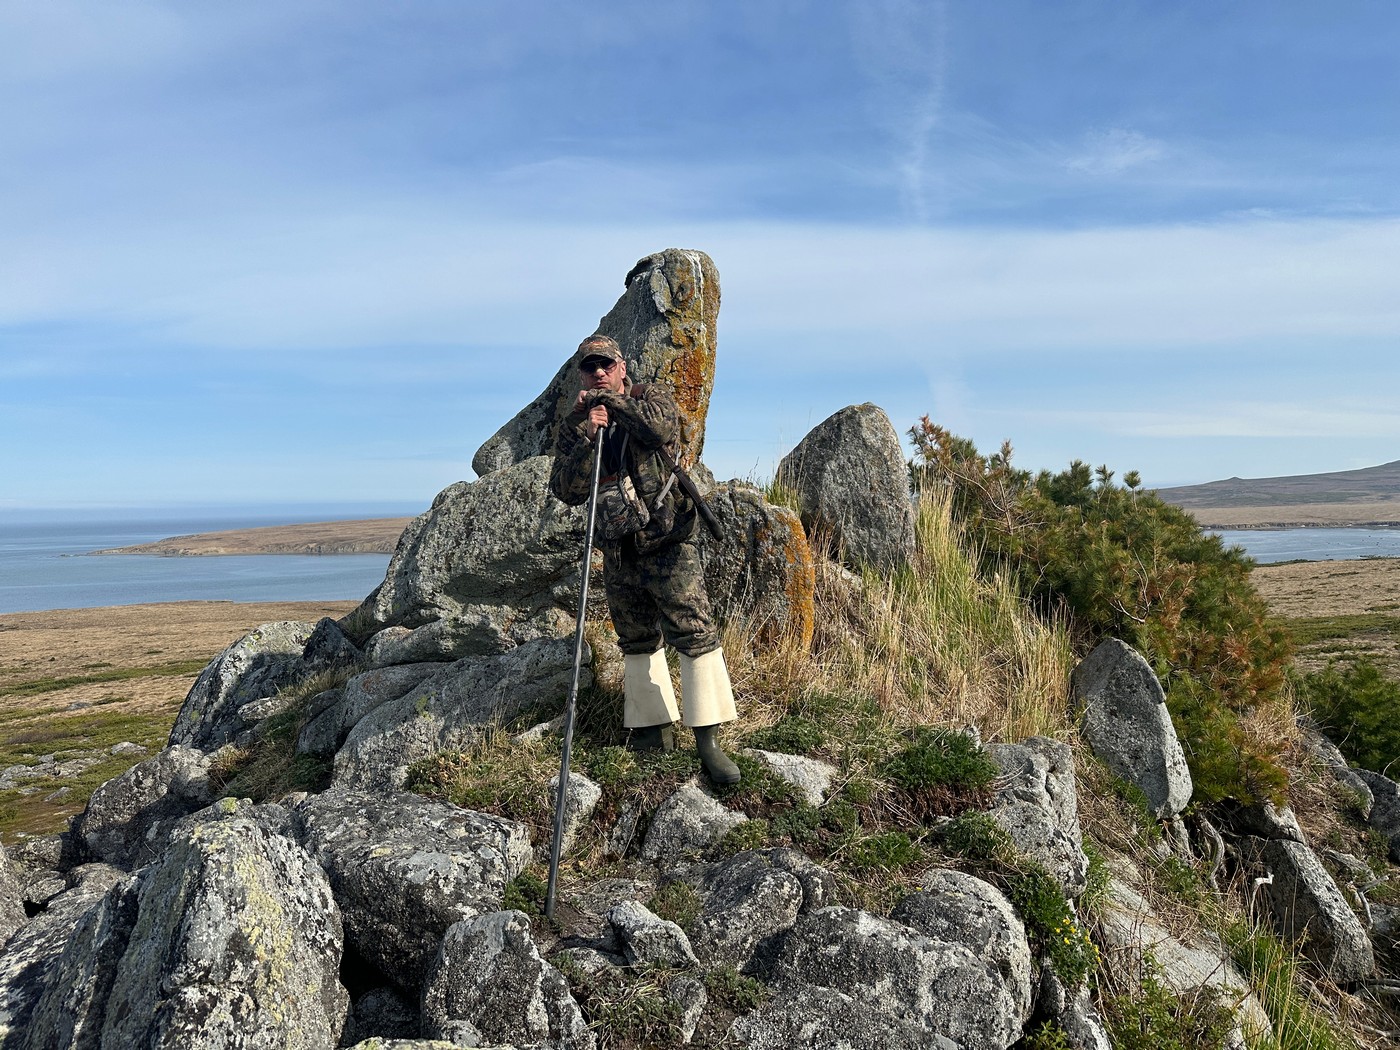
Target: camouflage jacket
x: 648, y: 416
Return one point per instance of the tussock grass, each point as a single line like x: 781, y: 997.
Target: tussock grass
x: 935, y: 644
x: 39, y: 686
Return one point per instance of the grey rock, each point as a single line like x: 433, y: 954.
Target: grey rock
x: 665, y: 325
x: 12, y: 897
x: 1264, y: 820
x: 382, y: 1013
x: 126, y: 747
x: 811, y: 776
x: 762, y: 570
x: 448, y: 710
x: 622, y: 834
x: 852, y: 487
x: 897, y: 972
x: 1130, y: 930
x: 404, y: 869
x: 1038, y: 807
x: 962, y: 909
x: 126, y: 817
x: 326, y: 731
x: 31, y: 955
x: 752, y: 898
x: 237, y: 941
x: 328, y: 648
x: 491, y: 564
x: 579, y: 802
x: 1385, y: 922
x: 1126, y: 723
x: 1082, y: 1024
x: 413, y: 1044
x: 826, y: 1019
x: 38, y: 890
x: 686, y: 824
x: 1328, y: 755
x: 649, y: 940
x: 489, y: 984
x: 1385, y: 808
x: 689, y: 997
x: 254, y: 667
x: 1304, y: 901
x: 71, y: 1010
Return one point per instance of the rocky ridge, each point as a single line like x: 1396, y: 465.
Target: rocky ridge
x: 365, y: 915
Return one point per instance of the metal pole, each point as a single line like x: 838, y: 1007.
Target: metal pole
x: 562, y: 795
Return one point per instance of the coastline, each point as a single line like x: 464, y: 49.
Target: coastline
x: 363, y: 536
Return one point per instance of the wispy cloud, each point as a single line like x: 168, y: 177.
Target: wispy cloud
x: 1112, y: 151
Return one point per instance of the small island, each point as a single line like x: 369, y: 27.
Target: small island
x: 368, y: 536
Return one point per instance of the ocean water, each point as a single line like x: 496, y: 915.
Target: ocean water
x: 1267, y: 546
x: 43, y: 563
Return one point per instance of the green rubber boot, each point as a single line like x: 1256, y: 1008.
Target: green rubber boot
x: 652, y: 738
x: 723, y: 772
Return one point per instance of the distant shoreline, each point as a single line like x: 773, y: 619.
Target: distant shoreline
x: 364, y: 536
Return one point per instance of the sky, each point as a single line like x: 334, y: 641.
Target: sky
x: 304, y: 250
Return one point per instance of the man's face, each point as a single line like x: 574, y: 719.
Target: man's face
x: 602, y: 373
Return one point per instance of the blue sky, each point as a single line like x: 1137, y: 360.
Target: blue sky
x: 320, y: 251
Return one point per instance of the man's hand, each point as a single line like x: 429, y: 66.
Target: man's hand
x: 597, y: 414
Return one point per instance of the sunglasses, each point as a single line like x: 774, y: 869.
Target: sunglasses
x: 595, y: 364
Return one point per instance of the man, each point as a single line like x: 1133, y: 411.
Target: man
x: 653, y: 575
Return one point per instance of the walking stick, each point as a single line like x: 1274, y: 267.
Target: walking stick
x: 562, y: 796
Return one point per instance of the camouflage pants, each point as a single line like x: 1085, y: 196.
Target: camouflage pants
x: 659, y: 596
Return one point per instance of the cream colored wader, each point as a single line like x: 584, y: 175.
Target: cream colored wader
x: 649, y: 699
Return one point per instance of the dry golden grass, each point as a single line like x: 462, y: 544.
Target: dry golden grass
x: 936, y: 644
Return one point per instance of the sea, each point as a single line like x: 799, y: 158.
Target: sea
x: 44, y: 562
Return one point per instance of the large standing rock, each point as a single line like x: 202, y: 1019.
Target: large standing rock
x: 665, y: 325
x: 957, y: 907
x: 449, y: 708
x: 1126, y: 723
x: 404, y: 869
x: 852, y: 487
x: 489, y: 565
x: 489, y: 986
x: 125, y: 818
x: 232, y: 939
x: 1038, y: 807
x: 762, y: 569
x: 252, y: 668
x: 897, y: 972
x: 1306, y: 904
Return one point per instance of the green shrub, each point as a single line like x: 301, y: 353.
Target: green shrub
x: 792, y: 734
x: 1126, y: 564
x: 1152, y: 1018
x: 889, y: 851
x: 733, y: 991
x: 676, y: 902
x: 1051, y: 923
x: 1357, y: 706
x: 978, y: 837
x: 525, y: 892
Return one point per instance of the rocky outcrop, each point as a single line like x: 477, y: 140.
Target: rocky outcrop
x: 326, y: 729
x: 491, y: 564
x: 1125, y: 721
x: 686, y: 824
x: 1384, y: 814
x: 647, y: 939
x: 1038, y: 806
x: 405, y: 869
x: 253, y: 668
x: 126, y: 818
x: 1306, y: 905
x: 449, y: 709
x: 852, y: 488
x: 762, y: 569
x: 665, y: 325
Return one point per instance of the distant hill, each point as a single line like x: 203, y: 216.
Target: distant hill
x: 370, y: 536
x: 1370, y: 496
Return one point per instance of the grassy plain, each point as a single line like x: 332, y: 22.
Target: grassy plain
x: 76, y: 682
x: 1336, y: 609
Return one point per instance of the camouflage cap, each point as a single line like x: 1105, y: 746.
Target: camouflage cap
x: 598, y: 346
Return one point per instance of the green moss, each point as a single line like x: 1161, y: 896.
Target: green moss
x: 978, y: 837
x: 732, y: 991
x: 889, y: 851
x: 525, y: 893
x: 676, y: 902
x: 792, y: 734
